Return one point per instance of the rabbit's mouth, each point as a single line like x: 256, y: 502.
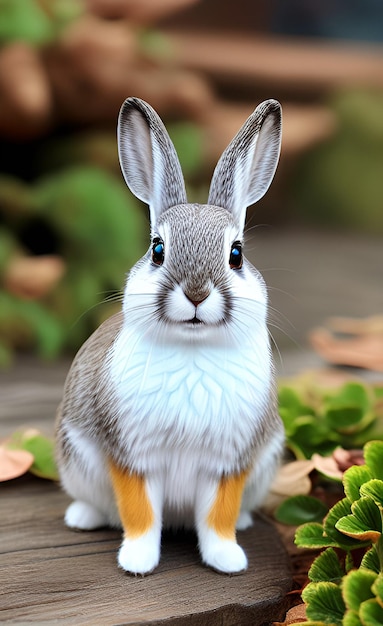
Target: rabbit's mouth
x: 194, y: 321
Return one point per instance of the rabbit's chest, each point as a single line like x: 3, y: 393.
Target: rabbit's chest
x: 197, y: 399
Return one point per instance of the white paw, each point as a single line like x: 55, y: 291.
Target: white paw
x: 225, y: 556
x: 139, y: 556
x: 244, y: 520
x: 83, y: 516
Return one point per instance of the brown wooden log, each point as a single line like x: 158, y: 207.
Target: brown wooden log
x: 293, y: 65
x: 51, y: 574
x: 304, y: 126
x: 25, y: 94
x: 139, y: 11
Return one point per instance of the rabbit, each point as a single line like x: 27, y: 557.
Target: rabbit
x: 169, y: 415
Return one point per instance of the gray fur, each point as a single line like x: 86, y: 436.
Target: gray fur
x: 195, y: 244
x: 150, y: 167
x: 246, y: 168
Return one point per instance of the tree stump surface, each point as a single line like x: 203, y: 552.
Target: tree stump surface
x: 52, y: 575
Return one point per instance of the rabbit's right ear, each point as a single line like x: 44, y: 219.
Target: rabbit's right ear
x: 148, y: 159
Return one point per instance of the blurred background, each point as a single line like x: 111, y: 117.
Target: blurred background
x: 70, y: 229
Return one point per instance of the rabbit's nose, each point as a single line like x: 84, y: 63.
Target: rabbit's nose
x: 196, y: 302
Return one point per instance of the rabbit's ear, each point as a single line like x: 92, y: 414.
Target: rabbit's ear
x: 247, y: 166
x: 148, y: 158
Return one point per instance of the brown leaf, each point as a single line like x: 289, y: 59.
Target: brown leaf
x: 347, y: 458
x: 32, y: 277
x: 292, y: 479
x: 354, y: 326
x: 363, y: 350
x: 328, y: 466
x: 295, y: 615
x: 14, y: 463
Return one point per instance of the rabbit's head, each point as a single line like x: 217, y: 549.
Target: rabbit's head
x: 194, y: 284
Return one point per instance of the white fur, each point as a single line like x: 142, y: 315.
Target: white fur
x: 87, y: 481
x: 262, y: 474
x: 244, y: 520
x: 83, y: 516
x: 141, y: 555
x: 222, y: 555
x: 182, y: 399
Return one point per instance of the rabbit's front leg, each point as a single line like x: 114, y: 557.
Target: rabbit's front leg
x: 217, y: 511
x: 140, y: 509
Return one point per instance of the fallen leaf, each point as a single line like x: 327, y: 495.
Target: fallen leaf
x: 347, y: 458
x: 328, y: 466
x: 31, y: 277
x: 14, y: 463
x: 42, y: 450
x: 363, y: 350
x: 354, y: 326
x: 295, y: 615
x: 292, y: 479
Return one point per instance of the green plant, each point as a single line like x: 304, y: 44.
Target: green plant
x: 345, y: 590
x: 317, y: 420
x: 343, y: 174
x: 88, y: 218
x: 28, y: 450
x: 33, y: 21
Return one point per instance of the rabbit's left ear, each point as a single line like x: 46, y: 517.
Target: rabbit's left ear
x: 148, y: 159
x: 247, y: 166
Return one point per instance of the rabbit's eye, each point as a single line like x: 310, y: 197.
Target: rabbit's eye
x: 235, y: 260
x: 158, y: 251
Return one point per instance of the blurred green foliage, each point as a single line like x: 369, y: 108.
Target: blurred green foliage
x: 340, y: 183
x: 319, y: 420
x: 37, y: 23
x: 62, y: 195
x: 94, y: 224
x: 84, y: 214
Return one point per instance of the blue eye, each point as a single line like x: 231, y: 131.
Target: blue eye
x: 236, y: 258
x: 158, y: 251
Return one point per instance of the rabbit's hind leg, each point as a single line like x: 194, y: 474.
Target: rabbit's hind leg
x: 84, y: 476
x: 82, y: 515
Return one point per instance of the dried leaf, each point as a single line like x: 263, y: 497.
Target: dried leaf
x: 294, y: 615
x: 347, y: 458
x: 14, y: 463
x: 42, y: 450
x: 291, y: 480
x: 369, y: 325
x: 328, y: 466
x: 364, y: 349
x: 33, y: 277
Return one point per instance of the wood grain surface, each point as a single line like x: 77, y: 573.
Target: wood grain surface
x: 52, y: 575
